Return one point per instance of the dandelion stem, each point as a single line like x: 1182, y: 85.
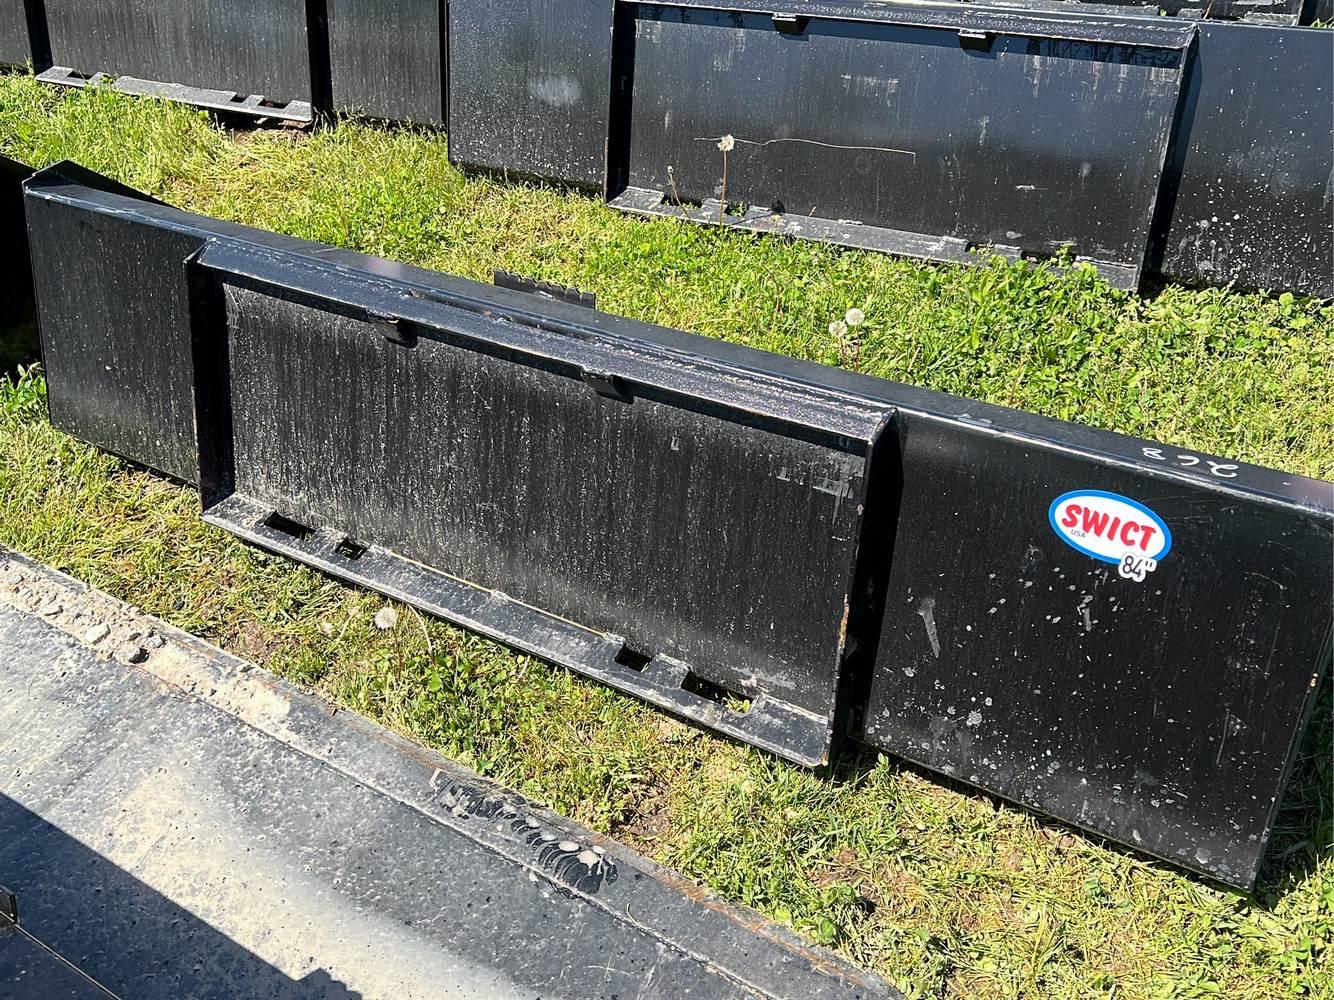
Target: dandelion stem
x: 722, y: 204
x: 727, y: 143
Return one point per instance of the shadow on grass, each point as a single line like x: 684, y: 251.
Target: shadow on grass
x: 18, y: 346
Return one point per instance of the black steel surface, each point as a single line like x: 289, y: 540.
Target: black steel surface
x: 1121, y: 634
x: 528, y: 87
x: 113, y: 311
x: 387, y: 58
x: 248, y: 47
x: 109, y: 270
x: 1163, y: 712
x: 299, y: 853
x: 1250, y: 192
x: 705, y: 521
x: 29, y: 971
x: 15, y: 44
x: 18, y: 314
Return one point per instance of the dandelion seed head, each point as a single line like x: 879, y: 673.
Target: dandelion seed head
x: 838, y: 328
x: 727, y: 143
x: 855, y: 317
x: 386, y: 618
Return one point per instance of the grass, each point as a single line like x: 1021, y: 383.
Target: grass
x: 943, y: 892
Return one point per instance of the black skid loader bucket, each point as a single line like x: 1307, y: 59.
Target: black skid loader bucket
x: 1120, y: 634
x: 284, y: 60
x: 245, y: 57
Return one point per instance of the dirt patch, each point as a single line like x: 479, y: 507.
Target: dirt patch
x: 897, y: 892
x: 254, y: 643
x: 649, y: 825
x: 671, y: 731
x: 842, y: 868
x: 967, y: 920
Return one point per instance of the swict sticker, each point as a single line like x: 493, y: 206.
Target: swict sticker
x: 1113, y: 529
